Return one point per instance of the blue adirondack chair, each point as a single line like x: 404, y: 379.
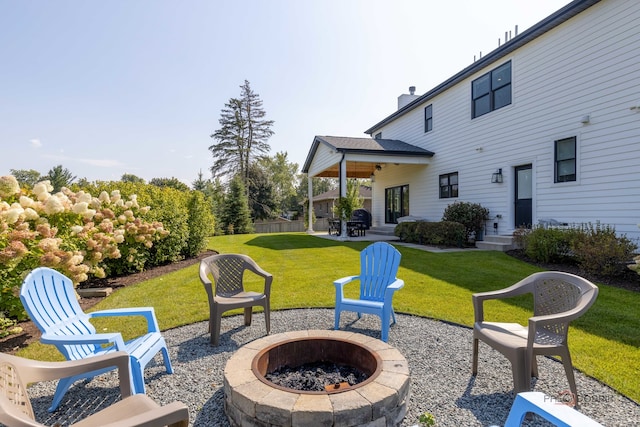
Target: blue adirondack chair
x: 50, y: 300
x: 379, y: 264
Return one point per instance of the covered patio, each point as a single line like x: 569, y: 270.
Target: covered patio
x: 345, y: 157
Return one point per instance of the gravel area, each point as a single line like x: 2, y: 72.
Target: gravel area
x: 439, y: 356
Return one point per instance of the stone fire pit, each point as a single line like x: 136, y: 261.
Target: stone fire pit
x: 381, y: 400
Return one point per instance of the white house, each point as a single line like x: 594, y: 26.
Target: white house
x: 546, y: 126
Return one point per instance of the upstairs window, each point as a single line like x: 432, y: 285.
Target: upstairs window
x: 491, y: 91
x: 378, y: 135
x: 428, y: 118
x: 449, y: 185
x: 565, y: 159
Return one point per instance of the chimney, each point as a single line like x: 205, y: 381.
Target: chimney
x: 404, y: 99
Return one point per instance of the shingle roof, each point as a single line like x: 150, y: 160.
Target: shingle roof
x: 365, y: 145
x: 342, y: 143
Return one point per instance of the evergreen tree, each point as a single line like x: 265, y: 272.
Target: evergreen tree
x: 59, y: 177
x: 242, y: 137
x: 236, y: 218
x: 261, y: 193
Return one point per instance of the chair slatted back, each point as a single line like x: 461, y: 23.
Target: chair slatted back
x: 555, y: 293
x: 228, y: 271
x: 12, y: 389
x: 379, y: 264
x: 51, y: 302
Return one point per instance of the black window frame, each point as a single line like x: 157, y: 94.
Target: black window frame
x: 448, y: 190
x: 391, y: 216
x: 428, y: 118
x: 561, y: 161
x: 489, y: 89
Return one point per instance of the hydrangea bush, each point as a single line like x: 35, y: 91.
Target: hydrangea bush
x: 74, y: 233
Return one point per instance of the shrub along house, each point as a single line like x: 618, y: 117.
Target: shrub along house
x: 545, y: 127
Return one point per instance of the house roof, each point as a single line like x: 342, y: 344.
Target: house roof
x: 342, y: 144
x: 365, y: 192
x: 547, y: 24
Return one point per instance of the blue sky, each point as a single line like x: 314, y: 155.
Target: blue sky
x: 136, y: 86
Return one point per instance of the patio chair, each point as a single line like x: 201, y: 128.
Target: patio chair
x: 558, y: 298
x: 379, y: 264
x: 227, y: 291
x: 132, y: 410
x: 548, y: 408
x: 51, y: 302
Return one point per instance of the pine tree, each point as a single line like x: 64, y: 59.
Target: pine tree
x: 236, y: 218
x: 60, y: 177
x: 243, y: 135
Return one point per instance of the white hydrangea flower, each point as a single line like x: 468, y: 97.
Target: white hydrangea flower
x: 26, y: 202
x: 30, y: 214
x: 42, y: 190
x: 53, y: 205
x: 9, y: 186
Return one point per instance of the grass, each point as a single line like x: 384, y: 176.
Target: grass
x: 605, y: 342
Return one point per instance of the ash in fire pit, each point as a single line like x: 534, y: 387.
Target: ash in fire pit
x: 315, y: 376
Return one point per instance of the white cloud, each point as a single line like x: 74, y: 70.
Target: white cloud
x: 35, y: 143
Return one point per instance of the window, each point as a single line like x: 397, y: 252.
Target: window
x: 428, y: 117
x: 565, y: 164
x: 491, y: 91
x: 378, y: 135
x: 449, y: 185
x: 396, y: 203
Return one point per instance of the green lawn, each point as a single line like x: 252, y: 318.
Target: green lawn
x: 605, y: 342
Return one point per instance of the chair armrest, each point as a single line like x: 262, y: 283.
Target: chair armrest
x: 479, y: 298
x: 35, y: 371
x: 537, y: 322
x: 344, y: 280
x: 392, y: 288
x: 98, y: 339
x: 147, y: 312
x: 169, y: 414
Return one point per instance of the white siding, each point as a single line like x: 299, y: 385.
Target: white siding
x: 587, y: 66
x: 323, y: 158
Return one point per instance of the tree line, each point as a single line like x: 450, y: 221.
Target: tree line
x: 246, y: 183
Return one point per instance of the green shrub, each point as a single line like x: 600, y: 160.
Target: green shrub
x: 548, y: 244
x: 598, y: 250
x: 201, y: 224
x: 471, y: 215
x: 74, y: 233
x: 407, y: 232
x: 443, y: 233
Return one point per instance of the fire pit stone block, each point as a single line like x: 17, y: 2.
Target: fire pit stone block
x: 380, y: 401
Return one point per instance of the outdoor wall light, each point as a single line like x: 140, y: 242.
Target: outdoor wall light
x: 496, y: 177
x: 372, y: 177
x: 585, y: 119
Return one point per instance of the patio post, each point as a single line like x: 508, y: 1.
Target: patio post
x: 343, y: 193
x: 310, y: 213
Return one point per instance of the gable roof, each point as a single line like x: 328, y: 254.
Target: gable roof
x: 547, y: 24
x: 342, y: 144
